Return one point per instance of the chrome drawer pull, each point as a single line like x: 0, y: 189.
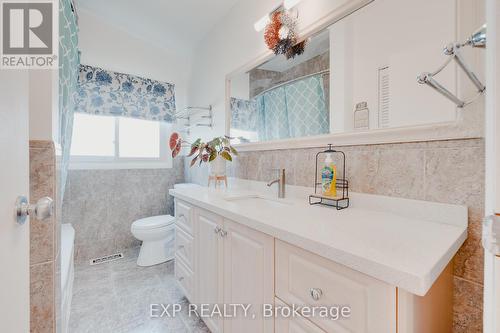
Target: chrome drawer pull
x: 316, y: 293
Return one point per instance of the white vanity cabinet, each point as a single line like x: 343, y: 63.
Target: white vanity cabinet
x: 208, y: 252
x: 248, y: 276
x: 184, y: 251
x: 235, y: 264
x: 305, y: 279
x: 295, y: 324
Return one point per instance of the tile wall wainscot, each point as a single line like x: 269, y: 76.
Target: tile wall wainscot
x: 442, y: 171
x: 44, y: 248
x: 102, y: 204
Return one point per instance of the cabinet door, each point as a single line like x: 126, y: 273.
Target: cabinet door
x: 248, y: 277
x: 293, y: 324
x: 208, y: 263
x: 304, y: 278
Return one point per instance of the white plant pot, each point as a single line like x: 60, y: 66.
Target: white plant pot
x: 217, y: 167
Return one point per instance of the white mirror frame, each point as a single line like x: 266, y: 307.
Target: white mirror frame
x: 469, y: 122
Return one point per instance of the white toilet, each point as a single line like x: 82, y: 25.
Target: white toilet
x: 157, y: 235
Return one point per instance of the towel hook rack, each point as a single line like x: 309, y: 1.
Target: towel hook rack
x: 453, y: 50
x: 201, y: 112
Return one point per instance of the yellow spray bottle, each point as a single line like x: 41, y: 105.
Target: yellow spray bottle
x: 329, y: 177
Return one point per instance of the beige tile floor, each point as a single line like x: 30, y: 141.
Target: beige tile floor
x: 115, y: 297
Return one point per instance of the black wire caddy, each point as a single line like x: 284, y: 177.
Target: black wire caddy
x: 341, y: 200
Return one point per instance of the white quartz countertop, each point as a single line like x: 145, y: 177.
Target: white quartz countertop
x: 405, y: 243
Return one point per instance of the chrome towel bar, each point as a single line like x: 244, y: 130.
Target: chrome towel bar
x: 453, y: 50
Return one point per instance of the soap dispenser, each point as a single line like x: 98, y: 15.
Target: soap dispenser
x: 329, y: 177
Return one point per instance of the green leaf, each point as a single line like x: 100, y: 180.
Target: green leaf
x: 213, y: 156
x: 226, y: 156
x: 193, y: 161
x: 233, y: 150
x: 196, y: 143
x: 215, y: 142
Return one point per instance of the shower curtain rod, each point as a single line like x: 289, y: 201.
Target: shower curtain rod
x: 293, y: 80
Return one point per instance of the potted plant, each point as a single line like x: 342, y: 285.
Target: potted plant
x: 215, y: 152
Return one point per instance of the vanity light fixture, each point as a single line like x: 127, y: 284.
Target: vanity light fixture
x: 261, y: 24
x: 289, y: 4
x: 264, y: 21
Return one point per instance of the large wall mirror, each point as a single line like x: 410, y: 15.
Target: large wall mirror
x: 358, y: 74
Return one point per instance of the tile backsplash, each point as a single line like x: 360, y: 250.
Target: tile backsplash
x: 442, y: 171
x: 102, y: 204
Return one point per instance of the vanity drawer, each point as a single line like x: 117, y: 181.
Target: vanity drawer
x: 183, y: 214
x: 306, y: 279
x: 184, y: 247
x: 184, y: 278
x: 293, y: 324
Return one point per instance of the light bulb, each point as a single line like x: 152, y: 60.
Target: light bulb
x: 261, y: 24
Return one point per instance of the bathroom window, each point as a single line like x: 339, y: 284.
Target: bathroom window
x: 119, y: 142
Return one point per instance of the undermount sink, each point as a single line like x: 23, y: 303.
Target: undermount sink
x: 256, y: 198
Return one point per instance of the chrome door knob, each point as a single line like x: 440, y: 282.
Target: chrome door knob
x: 40, y: 211
x: 316, y: 293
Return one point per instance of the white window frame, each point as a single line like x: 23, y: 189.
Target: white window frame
x: 90, y: 162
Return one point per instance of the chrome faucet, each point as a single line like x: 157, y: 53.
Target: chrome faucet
x: 281, y: 183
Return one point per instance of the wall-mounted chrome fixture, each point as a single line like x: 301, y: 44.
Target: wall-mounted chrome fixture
x: 453, y: 50
x: 478, y: 38
x: 198, y: 112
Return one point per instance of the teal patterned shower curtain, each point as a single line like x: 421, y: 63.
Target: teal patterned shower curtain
x: 293, y: 110
x: 306, y: 106
x: 69, y: 60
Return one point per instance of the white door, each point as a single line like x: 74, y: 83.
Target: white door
x: 14, y: 181
x: 492, y: 180
x: 208, y: 263
x: 248, y: 277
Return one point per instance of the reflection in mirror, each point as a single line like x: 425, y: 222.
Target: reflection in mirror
x: 283, y: 98
x: 358, y: 74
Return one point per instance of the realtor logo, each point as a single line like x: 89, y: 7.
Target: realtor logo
x: 29, y: 34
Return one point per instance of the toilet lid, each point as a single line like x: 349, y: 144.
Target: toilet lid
x: 153, y: 222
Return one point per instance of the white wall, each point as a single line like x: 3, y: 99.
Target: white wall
x: 108, y: 47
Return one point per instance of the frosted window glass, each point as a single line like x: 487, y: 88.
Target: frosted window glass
x: 139, y: 138
x: 93, y: 135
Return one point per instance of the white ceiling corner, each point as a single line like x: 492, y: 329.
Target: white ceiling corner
x: 179, y: 25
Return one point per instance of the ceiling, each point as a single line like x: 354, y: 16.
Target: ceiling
x: 170, y: 24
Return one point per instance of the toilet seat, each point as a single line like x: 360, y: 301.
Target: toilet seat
x: 153, y: 222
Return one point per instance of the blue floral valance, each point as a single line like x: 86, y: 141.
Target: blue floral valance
x: 104, y: 92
